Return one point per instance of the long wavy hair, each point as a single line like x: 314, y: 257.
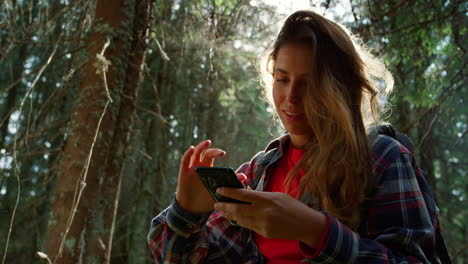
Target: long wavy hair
x: 340, y: 103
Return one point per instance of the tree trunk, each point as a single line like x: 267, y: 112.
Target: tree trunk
x: 17, y: 71
x: 426, y: 148
x: 88, y: 238
x: 118, y: 154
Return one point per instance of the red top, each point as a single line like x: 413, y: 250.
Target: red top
x: 282, y: 250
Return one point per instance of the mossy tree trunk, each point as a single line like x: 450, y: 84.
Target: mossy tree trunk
x: 99, y: 131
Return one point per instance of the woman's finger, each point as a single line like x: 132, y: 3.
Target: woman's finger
x: 198, y: 151
x: 185, y: 161
x: 209, y: 154
x: 242, y: 178
x: 243, y: 194
x: 234, y: 210
x: 249, y: 222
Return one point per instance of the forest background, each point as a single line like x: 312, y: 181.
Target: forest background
x: 98, y: 99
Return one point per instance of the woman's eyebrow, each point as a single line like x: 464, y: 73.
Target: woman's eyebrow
x: 281, y: 70
x: 286, y: 72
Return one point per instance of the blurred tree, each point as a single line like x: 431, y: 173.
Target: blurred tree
x: 196, y: 71
x: 88, y: 186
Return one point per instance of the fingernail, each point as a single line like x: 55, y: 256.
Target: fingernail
x: 220, y: 190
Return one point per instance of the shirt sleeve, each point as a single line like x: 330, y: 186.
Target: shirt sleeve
x: 398, y: 222
x: 176, y: 236
x: 179, y: 236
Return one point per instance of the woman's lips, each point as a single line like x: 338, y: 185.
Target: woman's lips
x: 293, y: 116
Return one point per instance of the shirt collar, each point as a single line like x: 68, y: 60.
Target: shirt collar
x: 280, y: 143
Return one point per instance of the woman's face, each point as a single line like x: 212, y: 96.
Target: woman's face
x: 290, y: 81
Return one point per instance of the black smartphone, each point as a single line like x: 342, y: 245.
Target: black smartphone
x: 215, y: 177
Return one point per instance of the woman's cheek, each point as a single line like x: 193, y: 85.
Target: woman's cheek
x: 277, y: 96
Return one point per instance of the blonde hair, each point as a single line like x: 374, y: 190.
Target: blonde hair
x: 340, y: 102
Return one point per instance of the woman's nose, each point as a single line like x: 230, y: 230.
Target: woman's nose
x: 294, y: 95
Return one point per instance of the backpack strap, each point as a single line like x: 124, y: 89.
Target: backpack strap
x: 441, y: 249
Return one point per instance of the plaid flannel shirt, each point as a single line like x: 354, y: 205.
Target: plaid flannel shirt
x: 398, y: 223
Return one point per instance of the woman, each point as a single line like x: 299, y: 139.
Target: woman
x: 325, y: 194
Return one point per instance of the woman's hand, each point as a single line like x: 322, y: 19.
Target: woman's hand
x: 191, y: 194
x: 274, y: 215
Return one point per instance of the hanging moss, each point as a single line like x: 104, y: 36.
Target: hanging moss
x: 70, y: 244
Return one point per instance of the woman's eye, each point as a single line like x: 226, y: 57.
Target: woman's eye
x: 284, y: 80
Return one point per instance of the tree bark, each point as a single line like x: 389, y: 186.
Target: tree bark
x: 90, y: 234
x: 119, y: 148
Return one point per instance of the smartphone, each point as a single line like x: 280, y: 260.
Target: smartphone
x: 215, y: 177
